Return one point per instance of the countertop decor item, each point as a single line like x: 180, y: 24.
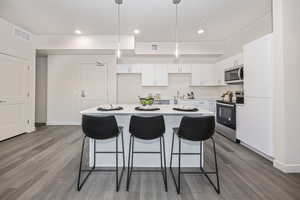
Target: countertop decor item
x: 109, y: 108
x: 146, y: 100
x: 147, y: 108
x: 227, y: 96
x: 186, y: 108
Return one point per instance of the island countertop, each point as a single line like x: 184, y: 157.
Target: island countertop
x: 172, y: 119
x: 129, y: 109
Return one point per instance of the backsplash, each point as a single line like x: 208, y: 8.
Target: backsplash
x: 129, y: 88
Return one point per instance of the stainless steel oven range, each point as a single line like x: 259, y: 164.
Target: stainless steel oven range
x: 226, y: 120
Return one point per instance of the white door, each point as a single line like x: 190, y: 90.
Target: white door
x: 93, y: 83
x: 13, y: 96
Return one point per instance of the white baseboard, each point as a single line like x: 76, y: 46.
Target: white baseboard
x: 53, y: 123
x: 258, y: 152
x: 287, y: 168
x: 31, y: 130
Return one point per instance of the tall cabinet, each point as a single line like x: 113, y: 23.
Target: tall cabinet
x: 254, y: 126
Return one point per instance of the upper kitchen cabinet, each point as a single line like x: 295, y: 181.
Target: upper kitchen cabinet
x: 128, y: 68
x: 179, y: 68
x: 258, y: 67
x: 154, y: 75
x: 227, y: 63
x: 204, y: 75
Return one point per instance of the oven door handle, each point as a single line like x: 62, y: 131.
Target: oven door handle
x: 224, y: 104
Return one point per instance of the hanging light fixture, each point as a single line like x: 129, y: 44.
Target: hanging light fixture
x: 119, y: 2
x: 176, y: 2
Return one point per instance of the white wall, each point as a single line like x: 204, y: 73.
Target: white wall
x: 41, y: 90
x: 84, y: 42
x: 129, y: 88
x: 63, y: 103
x: 177, y: 82
x: 286, y: 85
x: 260, y: 27
x: 12, y: 46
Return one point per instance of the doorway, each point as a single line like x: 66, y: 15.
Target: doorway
x: 41, y: 91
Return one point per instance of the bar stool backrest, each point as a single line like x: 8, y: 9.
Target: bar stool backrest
x: 197, y: 128
x: 147, y: 128
x: 99, y: 127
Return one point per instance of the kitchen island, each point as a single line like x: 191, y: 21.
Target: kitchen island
x: 172, y: 119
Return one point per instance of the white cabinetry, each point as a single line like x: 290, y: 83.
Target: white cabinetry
x: 254, y: 121
x: 154, y: 75
x: 227, y: 63
x: 179, y: 68
x: 200, y: 103
x: 254, y: 127
x: 258, y: 68
x: 204, y: 75
x: 128, y: 68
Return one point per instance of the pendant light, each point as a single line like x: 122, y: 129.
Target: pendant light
x: 119, y: 2
x: 176, y: 2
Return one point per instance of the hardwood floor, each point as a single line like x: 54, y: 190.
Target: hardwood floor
x: 44, y: 166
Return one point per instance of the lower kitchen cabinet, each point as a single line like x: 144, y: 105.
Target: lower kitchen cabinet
x: 254, y: 124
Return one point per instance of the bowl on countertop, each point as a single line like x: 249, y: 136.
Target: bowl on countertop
x: 146, y: 101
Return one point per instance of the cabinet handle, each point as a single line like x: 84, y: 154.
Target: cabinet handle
x: 82, y: 93
x: 3, y: 101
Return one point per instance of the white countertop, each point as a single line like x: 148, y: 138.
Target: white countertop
x: 129, y: 109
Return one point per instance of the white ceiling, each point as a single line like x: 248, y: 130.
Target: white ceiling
x: 155, y: 18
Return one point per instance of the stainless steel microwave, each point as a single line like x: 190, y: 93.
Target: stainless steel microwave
x: 234, y: 75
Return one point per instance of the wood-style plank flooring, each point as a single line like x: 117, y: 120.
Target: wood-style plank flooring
x: 43, y: 166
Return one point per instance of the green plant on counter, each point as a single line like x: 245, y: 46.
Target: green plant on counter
x: 146, y: 101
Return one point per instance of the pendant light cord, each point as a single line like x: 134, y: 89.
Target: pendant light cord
x: 176, y: 31
x: 119, y: 28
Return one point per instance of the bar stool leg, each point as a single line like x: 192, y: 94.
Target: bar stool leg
x: 79, y: 186
x: 130, y: 161
x: 216, y: 166
x: 172, y: 151
x: 179, y: 166
x: 117, y: 165
x: 123, y: 150
x: 217, y: 188
x: 163, y: 160
x: 165, y: 165
x: 177, y: 184
x: 79, y: 174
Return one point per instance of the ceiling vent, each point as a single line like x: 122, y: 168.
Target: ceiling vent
x: 21, y: 34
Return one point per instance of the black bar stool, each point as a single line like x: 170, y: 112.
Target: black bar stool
x: 147, y: 128
x: 195, y: 129
x: 101, y: 128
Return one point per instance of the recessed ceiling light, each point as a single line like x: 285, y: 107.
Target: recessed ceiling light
x: 78, y: 32
x: 136, y: 31
x: 200, y: 31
